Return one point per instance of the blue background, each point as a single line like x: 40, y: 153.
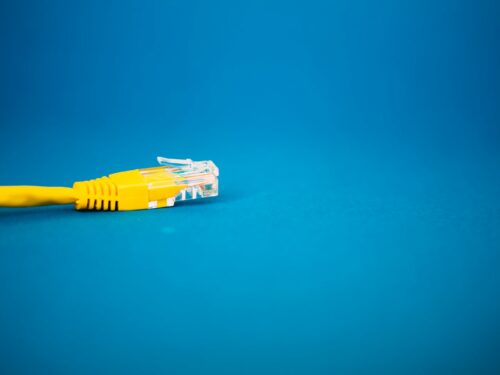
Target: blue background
x: 358, y: 225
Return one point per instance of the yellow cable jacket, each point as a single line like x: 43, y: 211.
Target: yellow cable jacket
x: 27, y: 196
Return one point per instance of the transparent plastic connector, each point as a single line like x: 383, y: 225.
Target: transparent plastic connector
x: 201, y: 177
x: 179, y: 180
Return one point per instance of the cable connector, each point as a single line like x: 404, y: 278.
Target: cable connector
x: 175, y: 180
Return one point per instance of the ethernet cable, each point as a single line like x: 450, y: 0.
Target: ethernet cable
x: 175, y: 180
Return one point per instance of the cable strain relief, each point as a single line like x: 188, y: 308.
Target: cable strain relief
x: 100, y: 194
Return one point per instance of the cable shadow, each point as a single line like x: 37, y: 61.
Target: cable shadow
x: 18, y: 215
x: 223, y: 198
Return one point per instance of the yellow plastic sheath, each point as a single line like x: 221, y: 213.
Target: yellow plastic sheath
x: 130, y: 190
x: 27, y: 196
x: 123, y: 191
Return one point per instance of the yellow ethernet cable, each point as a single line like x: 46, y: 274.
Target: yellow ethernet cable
x: 173, y: 181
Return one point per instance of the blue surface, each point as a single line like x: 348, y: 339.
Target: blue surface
x: 358, y: 226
